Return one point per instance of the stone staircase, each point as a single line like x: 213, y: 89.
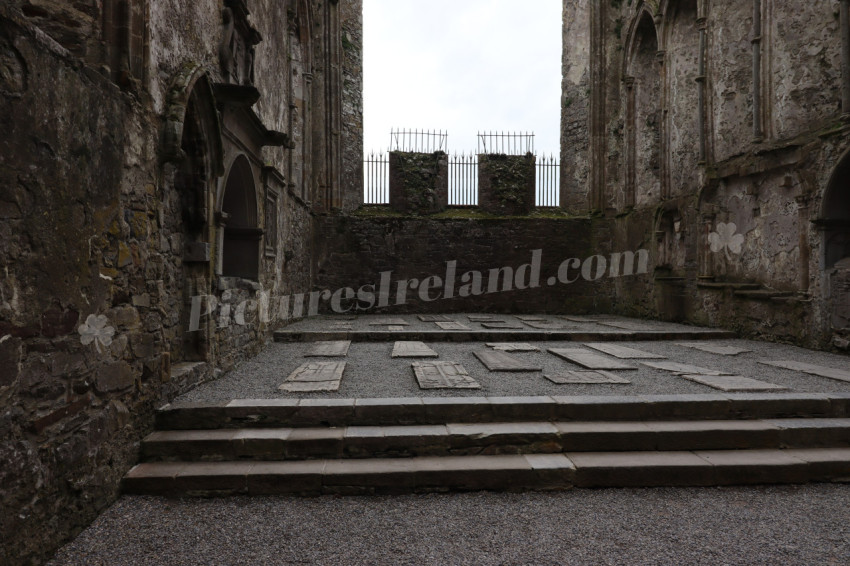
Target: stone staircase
x: 332, y: 446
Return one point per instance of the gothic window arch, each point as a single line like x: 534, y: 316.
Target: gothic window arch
x: 241, y: 235
x: 835, y: 218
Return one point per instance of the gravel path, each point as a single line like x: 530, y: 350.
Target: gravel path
x: 371, y: 372
x: 765, y: 525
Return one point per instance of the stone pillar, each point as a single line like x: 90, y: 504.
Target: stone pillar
x: 419, y: 182
x: 845, y: 56
x: 507, y: 184
x: 758, y: 130
x: 803, y: 202
x: 631, y: 142
x: 701, y: 25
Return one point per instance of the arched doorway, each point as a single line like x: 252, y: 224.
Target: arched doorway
x: 240, y: 244
x: 835, y: 223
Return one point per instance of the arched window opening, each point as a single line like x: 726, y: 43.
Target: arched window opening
x: 241, y: 240
x: 191, y: 180
x: 644, y: 120
x: 836, y: 218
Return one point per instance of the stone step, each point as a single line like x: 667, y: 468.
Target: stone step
x: 505, y: 472
x: 529, y: 335
x: 307, y: 413
x: 491, y: 439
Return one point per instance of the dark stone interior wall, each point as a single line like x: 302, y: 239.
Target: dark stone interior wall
x: 355, y: 250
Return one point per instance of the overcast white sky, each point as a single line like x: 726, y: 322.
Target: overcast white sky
x: 464, y: 66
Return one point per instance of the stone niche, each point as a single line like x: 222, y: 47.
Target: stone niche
x: 506, y: 184
x: 419, y: 182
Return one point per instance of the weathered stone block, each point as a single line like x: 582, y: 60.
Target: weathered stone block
x: 419, y: 182
x: 114, y: 377
x: 506, y: 184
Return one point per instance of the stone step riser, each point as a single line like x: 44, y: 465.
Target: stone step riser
x: 500, y: 336
x: 436, y: 410
x: 506, y: 473
x: 533, y: 438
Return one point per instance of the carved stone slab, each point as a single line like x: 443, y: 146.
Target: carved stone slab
x: 337, y: 349
x: 812, y: 369
x: 531, y: 319
x: 413, y: 350
x: 547, y: 325
x: 480, y: 317
x: 315, y: 376
x: 579, y: 319
x: 589, y: 360
x: 434, y: 318
x: 513, y: 347
x: 500, y: 361
x: 715, y: 348
x: 452, y: 326
x: 626, y: 325
x: 734, y: 383
x: 443, y: 375
x: 501, y: 325
x: 623, y: 352
x: 683, y: 369
x: 390, y: 322
x: 587, y: 377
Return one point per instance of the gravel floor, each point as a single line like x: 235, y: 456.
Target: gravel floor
x: 803, y: 525
x: 371, y: 372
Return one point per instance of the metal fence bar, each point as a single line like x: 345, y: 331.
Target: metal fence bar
x: 419, y: 141
x: 548, y: 182
x: 463, y: 180
x: 376, y: 175
x: 508, y: 143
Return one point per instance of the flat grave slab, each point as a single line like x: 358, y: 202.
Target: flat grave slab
x: 812, y: 369
x: 623, y: 352
x: 390, y: 322
x: 337, y: 349
x: 547, y: 325
x: 443, y: 375
x: 590, y: 360
x: 683, y: 369
x: 500, y: 361
x: 413, y: 350
x: 584, y: 319
x: 634, y: 326
x: 587, y: 378
x: 512, y: 347
x: 712, y: 348
x: 502, y: 326
x: 315, y: 376
x: 480, y: 317
x: 531, y: 318
x: 434, y: 318
x: 734, y: 383
x: 452, y: 326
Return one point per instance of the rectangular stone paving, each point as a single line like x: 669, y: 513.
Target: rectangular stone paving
x: 434, y: 318
x: 531, y: 319
x: 715, y: 348
x: 315, y: 376
x: 547, y: 325
x: 413, y: 350
x: 589, y: 360
x: 452, y: 326
x: 501, y: 326
x: 635, y: 326
x: 337, y: 349
x: 480, y: 317
x: 812, y: 369
x: 513, y: 347
x: 587, y: 377
x: 443, y: 375
x: 623, y: 352
x: 683, y: 369
x: 390, y: 322
x: 500, y: 361
x: 734, y: 383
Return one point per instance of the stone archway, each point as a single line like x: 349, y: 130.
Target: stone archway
x: 240, y: 241
x: 835, y: 224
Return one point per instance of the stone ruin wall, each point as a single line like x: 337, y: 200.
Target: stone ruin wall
x: 771, y: 146
x: 92, y: 235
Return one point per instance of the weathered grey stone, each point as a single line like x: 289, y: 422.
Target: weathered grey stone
x: 335, y: 349
x: 390, y: 322
x: 501, y: 325
x: 623, y: 352
x: 682, y: 369
x: 734, y: 383
x: 114, y: 377
x: 587, y: 377
x: 452, y: 326
x: 315, y: 376
x: 513, y: 347
x: 500, y: 361
x: 413, y: 350
x: 589, y: 359
x: 713, y: 348
x: 443, y: 375
x: 434, y: 318
x: 830, y: 373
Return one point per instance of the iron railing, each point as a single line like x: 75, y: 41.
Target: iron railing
x: 548, y: 182
x: 376, y: 178
x: 419, y: 141
x: 506, y: 143
x: 463, y: 179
